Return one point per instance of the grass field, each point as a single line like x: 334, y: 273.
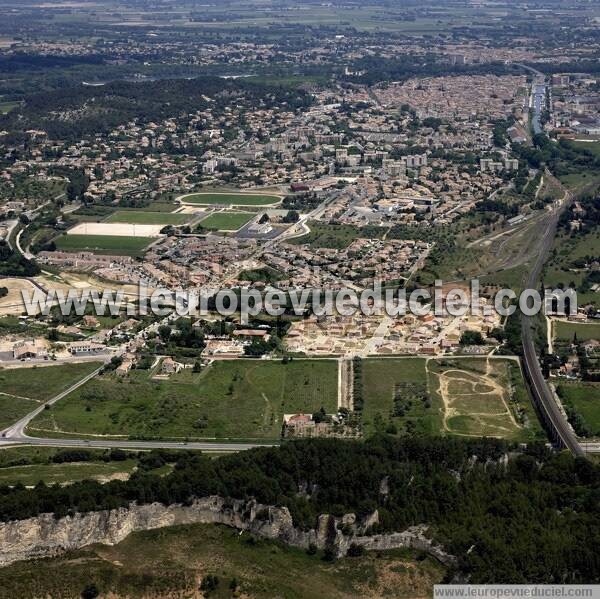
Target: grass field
x: 22, y: 389
x: 65, y: 473
x: 383, y: 379
x: 484, y: 398
x: 6, y: 107
x: 334, y: 236
x: 591, y: 146
x: 171, y: 562
x: 561, y: 267
x: 226, y: 221
x: 234, y: 199
x: 584, y: 398
x: 14, y: 408
x: 147, y: 218
x: 104, y: 244
x: 43, y: 382
x: 469, y: 397
x: 238, y: 399
x: 565, y: 331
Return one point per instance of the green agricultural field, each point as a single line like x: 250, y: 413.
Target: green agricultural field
x: 582, y: 400
x: 135, y: 217
x: 14, y: 408
x: 104, y: 244
x: 234, y: 199
x: 566, y: 331
x: 237, y: 399
x: 388, y: 387
x: 466, y: 397
x: 41, y: 383
x: 22, y: 389
x: 226, y: 221
x: 170, y: 562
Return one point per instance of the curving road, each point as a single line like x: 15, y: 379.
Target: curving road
x: 16, y: 435
x: 553, y: 417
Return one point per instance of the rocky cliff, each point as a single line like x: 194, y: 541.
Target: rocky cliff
x: 46, y: 536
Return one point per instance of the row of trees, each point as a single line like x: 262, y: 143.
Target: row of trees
x: 533, y: 518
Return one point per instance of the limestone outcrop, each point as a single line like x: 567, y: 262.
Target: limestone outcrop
x: 46, y: 535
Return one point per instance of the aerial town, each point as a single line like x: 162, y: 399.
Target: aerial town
x: 432, y: 170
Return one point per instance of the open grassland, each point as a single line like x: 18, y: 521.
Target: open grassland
x: 484, y: 398
x: 233, y: 199
x: 171, y: 562
x: 561, y: 268
x: 396, y: 396
x: 30, y: 475
x: 43, y: 382
x: 22, y: 389
x: 12, y: 303
x: 14, y: 408
x: 147, y: 218
x: 226, y: 221
x: 467, y: 396
x: 104, y: 244
x: 566, y: 331
x: 237, y: 399
x: 335, y: 236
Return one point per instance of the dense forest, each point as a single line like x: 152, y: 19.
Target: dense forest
x: 376, y: 69
x: 13, y: 264
x: 509, y: 516
x: 72, y: 112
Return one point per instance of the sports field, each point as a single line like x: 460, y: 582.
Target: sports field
x: 147, y: 218
x: 104, y: 244
x: 469, y: 397
x: 236, y: 399
x: 115, y: 230
x: 226, y: 221
x: 233, y: 199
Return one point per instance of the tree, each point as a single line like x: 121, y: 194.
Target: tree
x: 472, y: 338
x: 164, y: 332
x: 209, y: 583
x: 90, y: 592
x: 291, y: 217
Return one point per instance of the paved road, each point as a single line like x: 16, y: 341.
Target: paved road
x: 17, y: 430
x: 112, y: 444
x: 16, y: 435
